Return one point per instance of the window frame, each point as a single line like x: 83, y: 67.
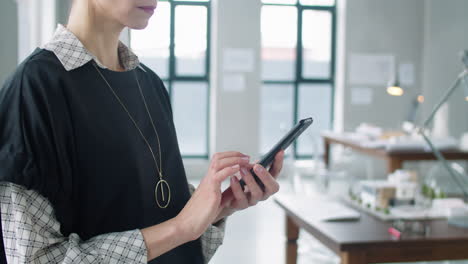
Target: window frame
x: 299, y: 78
x: 172, y: 65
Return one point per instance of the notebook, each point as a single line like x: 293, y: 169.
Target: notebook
x: 316, y: 208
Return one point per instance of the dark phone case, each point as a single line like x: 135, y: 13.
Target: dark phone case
x: 283, y: 144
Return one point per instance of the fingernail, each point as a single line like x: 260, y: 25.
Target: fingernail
x: 243, y: 171
x: 235, y: 166
x: 259, y: 168
x: 245, y: 158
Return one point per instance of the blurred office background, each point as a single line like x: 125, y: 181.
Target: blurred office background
x: 240, y: 73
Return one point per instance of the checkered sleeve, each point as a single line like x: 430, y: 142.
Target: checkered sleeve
x: 32, y: 235
x: 213, y: 236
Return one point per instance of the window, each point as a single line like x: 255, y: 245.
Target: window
x: 175, y: 45
x: 36, y: 25
x: 297, y: 70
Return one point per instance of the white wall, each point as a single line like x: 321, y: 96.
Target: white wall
x: 234, y: 115
x: 8, y: 39
x: 446, y: 34
x: 375, y: 27
x: 428, y: 33
x: 379, y: 27
x: 36, y: 25
x: 62, y: 11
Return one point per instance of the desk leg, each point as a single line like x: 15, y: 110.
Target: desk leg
x: 394, y: 164
x: 326, y: 153
x: 292, y: 233
x: 353, y: 257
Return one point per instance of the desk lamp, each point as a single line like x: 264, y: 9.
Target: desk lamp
x: 462, y: 78
x: 394, y: 87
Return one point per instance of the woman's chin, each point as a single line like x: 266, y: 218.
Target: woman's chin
x: 138, y: 25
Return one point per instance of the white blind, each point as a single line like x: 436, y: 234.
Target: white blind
x: 36, y: 24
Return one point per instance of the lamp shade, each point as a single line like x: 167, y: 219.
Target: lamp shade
x: 393, y: 87
x: 395, y: 90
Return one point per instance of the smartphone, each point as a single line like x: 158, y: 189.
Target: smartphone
x: 283, y: 144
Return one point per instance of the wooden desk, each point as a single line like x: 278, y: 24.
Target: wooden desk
x: 394, y: 159
x: 368, y: 241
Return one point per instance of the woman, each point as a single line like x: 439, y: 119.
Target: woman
x: 90, y: 168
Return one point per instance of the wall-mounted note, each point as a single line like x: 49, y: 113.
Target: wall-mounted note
x: 406, y: 74
x: 370, y: 69
x: 238, y: 60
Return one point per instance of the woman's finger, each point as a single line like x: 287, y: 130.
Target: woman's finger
x: 277, y: 164
x: 220, y: 164
x: 223, y: 174
x: 271, y: 185
x: 227, y: 197
x: 256, y: 194
x: 222, y: 155
x: 239, y: 195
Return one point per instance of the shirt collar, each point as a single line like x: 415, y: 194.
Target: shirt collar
x: 73, y: 54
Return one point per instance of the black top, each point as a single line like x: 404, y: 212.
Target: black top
x: 64, y: 134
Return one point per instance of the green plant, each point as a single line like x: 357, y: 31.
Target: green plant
x: 430, y: 192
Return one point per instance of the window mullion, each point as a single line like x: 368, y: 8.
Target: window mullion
x: 172, y: 60
x: 208, y: 42
x: 298, y: 72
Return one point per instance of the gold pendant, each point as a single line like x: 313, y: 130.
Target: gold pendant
x: 160, y: 186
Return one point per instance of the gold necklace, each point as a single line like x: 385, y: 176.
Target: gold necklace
x: 161, y: 184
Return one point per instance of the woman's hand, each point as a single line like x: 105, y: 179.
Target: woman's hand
x: 234, y: 198
x: 205, y: 204
x: 208, y: 205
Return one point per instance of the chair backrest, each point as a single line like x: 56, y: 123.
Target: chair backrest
x: 2, y: 248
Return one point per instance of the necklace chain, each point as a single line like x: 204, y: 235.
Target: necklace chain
x: 161, y: 183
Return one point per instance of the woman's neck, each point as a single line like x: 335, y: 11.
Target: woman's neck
x: 99, y: 35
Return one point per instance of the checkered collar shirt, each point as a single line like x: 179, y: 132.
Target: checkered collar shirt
x: 31, y: 233
x: 73, y: 54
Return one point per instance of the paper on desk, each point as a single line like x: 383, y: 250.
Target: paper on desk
x: 409, y: 144
x: 336, y: 211
x: 316, y: 208
x: 374, y: 144
x: 413, y: 212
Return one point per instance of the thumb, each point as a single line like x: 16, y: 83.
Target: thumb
x: 226, y: 197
